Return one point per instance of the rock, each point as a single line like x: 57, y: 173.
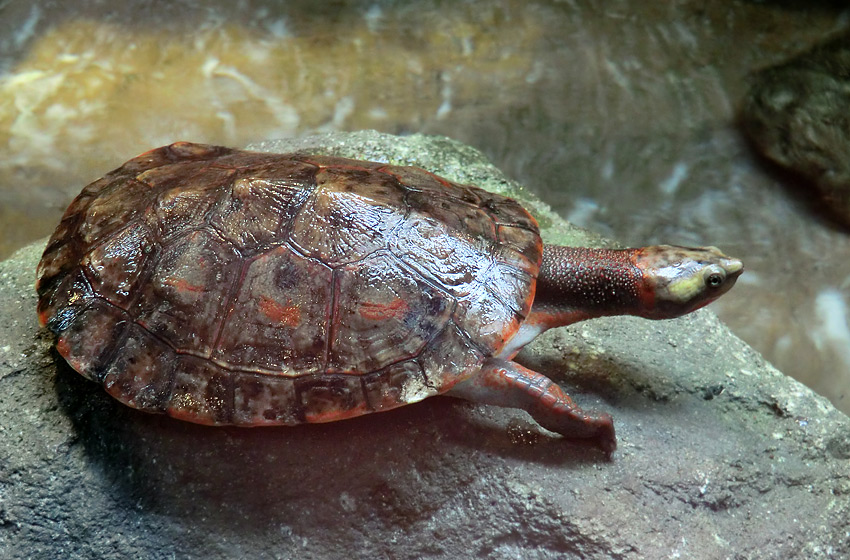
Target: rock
x: 798, y: 115
x: 720, y: 455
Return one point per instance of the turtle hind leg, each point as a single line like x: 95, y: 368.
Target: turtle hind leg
x: 504, y: 383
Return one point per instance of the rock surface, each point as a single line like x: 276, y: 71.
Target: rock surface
x: 721, y: 456
x: 798, y: 114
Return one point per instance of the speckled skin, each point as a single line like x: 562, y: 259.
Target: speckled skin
x: 228, y: 287
x: 656, y: 282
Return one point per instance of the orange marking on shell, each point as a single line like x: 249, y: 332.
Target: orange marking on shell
x: 334, y: 415
x: 286, y: 315
x: 375, y: 311
x: 183, y: 285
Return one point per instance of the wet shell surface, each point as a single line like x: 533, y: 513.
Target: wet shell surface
x: 228, y: 287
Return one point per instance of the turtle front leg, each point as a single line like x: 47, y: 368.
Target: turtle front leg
x: 501, y: 382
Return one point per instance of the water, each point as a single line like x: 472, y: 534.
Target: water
x: 620, y: 114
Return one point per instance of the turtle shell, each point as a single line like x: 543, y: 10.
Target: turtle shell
x: 222, y: 286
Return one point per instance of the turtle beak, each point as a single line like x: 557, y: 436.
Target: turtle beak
x: 734, y: 267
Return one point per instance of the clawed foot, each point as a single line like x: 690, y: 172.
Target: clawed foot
x: 504, y: 383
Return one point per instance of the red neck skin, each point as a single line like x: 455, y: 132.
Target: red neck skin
x: 577, y: 283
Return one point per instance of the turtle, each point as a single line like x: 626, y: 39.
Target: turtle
x: 230, y: 287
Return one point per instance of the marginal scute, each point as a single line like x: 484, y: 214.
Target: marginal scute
x: 56, y: 263
x: 338, y: 162
x: 202, y: 392
x: 396, y: 385
x: 88, y: 341
x: 506, y: 211
x: 230, y: 287
x: 328, y: 398
x: 141, y: 374
x: 183, y: 151
x: 67, y: 232
x: 523, y: 241
x: 62, y: 298
x: 264, y: 400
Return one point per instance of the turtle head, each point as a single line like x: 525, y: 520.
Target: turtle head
x: 678, y: 280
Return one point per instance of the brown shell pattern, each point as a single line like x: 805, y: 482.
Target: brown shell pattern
x: 229, y: 287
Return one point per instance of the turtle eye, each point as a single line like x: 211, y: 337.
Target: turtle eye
x: 714, y: 280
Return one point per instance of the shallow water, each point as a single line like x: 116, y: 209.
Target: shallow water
x: 622, y: 117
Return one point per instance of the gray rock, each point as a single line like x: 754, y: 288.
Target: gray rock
x: 798, y: 114
x: 721, y: 456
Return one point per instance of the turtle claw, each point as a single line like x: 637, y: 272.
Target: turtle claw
x: 505, y: 383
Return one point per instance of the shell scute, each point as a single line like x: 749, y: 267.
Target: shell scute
x: 230, y: 287
x: 184, y: 300
x: 278, y: 321
x: 115, y: 267
x: 338, y: 162
x: 455, y: 216
x: 328, y: 398
x: 185, y: 206
x: 384, y: 314
x: 492, y: 323
x: 257, y: 204
x: 396, y: 385
x: 265, y: 400
x: 453, y: 261
x: 88, y: 341
x: 449, y: 358
x: 525, y: 243
x: 141, y: 374
x: 56, y: 266
x: 348, y: 216
x: 421, y: 181
x: 506, y: 211
x: 180, y: 152
x: 503, y: 281
x: 61, y: 298
x: 202, y: 392
x: 121, y: 202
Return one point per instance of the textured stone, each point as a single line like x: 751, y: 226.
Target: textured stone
x: 798, y: 114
